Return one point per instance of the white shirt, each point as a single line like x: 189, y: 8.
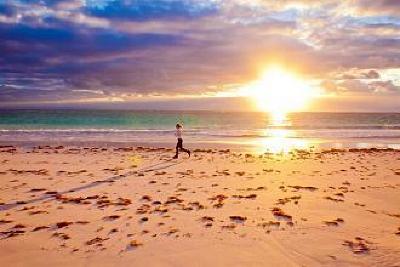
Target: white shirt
x: 178, y: 133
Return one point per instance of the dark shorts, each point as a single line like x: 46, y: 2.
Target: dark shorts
x: 180, y: 143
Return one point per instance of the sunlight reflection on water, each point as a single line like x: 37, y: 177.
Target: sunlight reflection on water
x: 280, y: 141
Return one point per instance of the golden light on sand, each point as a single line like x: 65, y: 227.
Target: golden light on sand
x: 281, y: 141
x: 279, y: 92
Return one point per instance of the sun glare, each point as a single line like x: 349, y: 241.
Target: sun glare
x: 280, y: 92
x: 281, y: 141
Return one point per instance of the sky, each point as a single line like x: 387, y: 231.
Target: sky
x: 196, y: 54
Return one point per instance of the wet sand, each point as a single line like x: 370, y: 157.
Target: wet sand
x: 135, y: 206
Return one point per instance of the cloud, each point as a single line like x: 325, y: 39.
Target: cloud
x: 47, y: 44
x: 144, y: 10
x: 7, y: 10
x: 360, y: 87
x: 354, y: 73
x: 384, y: 87
x: 54, y: 50
x: 376, y: 6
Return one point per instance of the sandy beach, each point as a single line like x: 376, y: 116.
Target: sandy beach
x: 135, y: 206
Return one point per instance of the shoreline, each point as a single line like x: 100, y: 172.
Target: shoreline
x: 261, y: 146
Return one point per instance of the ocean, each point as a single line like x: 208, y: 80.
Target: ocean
x: 201, y: 128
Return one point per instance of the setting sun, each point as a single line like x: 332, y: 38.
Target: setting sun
x: 280, y: 92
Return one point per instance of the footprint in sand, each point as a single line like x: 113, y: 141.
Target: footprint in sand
x: 238, y: 219
x: 111, y: 217
x: 134, y: 244
x: 63, y: 224
x: 358, y: 245
x: 398, y: 231
x: 62, y: 236
x: 144, y: 219
x: 14, y: 231
x: 334, y: 199
x: 280, y: 214
x: 5, y: 221
x: 38, y: 228
x: 251, y: 196
x: 307, y: 188
x: 269, y: 224
x: 335, y: 222
x: 96, y: 240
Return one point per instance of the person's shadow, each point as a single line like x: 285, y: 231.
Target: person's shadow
x: 155, y: 167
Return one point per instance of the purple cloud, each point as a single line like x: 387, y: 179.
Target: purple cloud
x: 52, y: 50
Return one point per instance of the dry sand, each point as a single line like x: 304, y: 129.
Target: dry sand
x: 65, y: 206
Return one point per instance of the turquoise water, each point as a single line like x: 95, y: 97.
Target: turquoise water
x: 332, y: 129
